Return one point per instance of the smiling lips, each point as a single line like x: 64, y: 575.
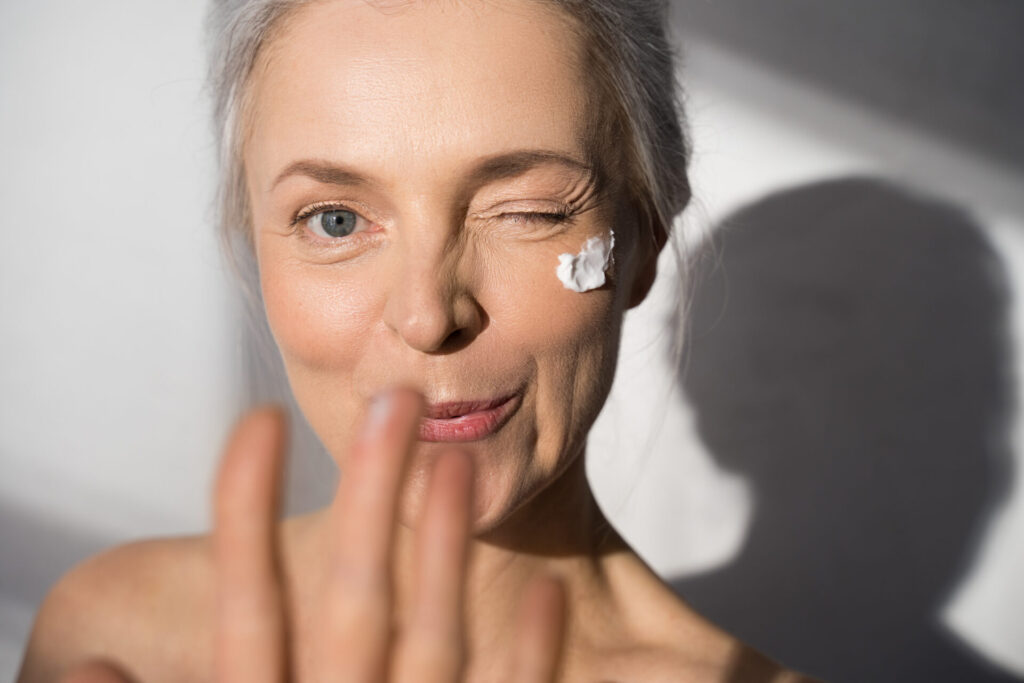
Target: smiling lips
x: 466, y: 420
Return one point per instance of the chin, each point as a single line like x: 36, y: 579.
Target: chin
x: 497, y: 494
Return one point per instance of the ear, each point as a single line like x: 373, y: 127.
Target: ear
x: 652, y: 236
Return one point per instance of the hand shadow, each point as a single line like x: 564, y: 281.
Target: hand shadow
x: 848, y: 354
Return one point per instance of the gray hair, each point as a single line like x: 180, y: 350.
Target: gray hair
x: 626, y: 41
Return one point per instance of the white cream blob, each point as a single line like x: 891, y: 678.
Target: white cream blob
x: 586, y: 270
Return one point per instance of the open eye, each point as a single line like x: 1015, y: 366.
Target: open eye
x: 336, y: 223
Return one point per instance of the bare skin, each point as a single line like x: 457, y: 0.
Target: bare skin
x: 452, y: 140
x: 234, y: 606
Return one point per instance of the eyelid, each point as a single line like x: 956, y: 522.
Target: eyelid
x: 526, y: 207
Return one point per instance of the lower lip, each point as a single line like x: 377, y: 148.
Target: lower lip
x: 470, y: 427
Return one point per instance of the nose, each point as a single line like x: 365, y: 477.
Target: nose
x: 430, y: 306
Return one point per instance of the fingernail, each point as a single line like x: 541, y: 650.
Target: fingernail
x: 380, y: 409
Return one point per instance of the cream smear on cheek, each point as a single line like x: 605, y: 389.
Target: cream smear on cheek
x: 586, y: 270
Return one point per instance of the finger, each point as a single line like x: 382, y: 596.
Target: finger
x: 432, y: 646
x: 366, y: 504
x: 358, y: 599
x: 251, y: 640
x: 96, y: 671
x: 540, y: 632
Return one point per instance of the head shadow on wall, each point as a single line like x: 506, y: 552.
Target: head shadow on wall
x: 848, y: 354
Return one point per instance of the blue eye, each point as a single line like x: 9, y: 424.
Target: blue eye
x: 334, y: 223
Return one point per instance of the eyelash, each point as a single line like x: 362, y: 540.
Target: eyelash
x: 552, y: 217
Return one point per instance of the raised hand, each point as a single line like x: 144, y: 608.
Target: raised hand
x: 355, y: 637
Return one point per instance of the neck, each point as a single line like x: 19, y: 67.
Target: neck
x: 560, y: 531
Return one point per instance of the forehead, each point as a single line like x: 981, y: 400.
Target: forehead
x: 419, y: 87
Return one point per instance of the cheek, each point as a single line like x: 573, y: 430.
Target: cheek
x: 534, y: 309
x: 571, y: 338
x: 320, y: 317
x: 552, y: 319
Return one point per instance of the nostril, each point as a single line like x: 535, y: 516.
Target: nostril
x: 455, y: 341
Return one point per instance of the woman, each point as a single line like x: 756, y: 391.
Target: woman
x: 451, y: 206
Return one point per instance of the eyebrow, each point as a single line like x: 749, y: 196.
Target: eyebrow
x: 497, y: 167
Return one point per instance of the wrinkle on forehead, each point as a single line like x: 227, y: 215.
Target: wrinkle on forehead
x: 559, y: 21
x: 437, y: 83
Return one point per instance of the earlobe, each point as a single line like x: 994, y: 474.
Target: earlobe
x: 653, y: 237
x: 644, y: 279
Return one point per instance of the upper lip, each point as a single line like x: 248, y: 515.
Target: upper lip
x: 450, y: 409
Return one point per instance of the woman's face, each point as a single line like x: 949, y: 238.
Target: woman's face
x: 414, y: 174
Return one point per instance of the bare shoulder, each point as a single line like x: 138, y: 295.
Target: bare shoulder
x: 698, y: 651
x: 675, y: 643
x: 675, y: 664
x: 133, y: 605
x: 702, y: 654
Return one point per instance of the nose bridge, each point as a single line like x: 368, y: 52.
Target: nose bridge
x: 428, y: 301
x: 429, y: 264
